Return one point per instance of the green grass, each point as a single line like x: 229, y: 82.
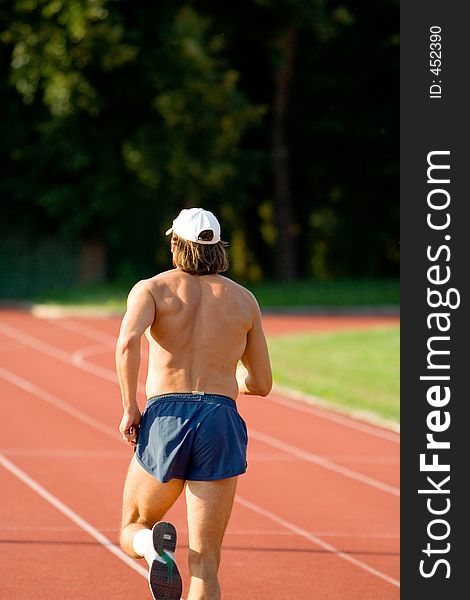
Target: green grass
x: 362, y: 292
x: 111, y: 296
x: 344, y: 292
x: 358, y: 370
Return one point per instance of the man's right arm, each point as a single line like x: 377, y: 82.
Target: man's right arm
x: 257, y: 379
x: 139, y: 315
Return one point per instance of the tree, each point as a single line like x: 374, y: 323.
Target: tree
x: 280, y: 115
x: 139, y: 114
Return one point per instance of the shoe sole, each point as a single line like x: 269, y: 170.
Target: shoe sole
x: 164, y: 578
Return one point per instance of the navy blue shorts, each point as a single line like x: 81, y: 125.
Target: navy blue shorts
x: 200, y: 437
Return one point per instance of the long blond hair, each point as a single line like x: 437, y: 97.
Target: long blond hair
x: 200, y: 259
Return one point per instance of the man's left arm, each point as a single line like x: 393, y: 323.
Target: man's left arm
x: 139, y: 316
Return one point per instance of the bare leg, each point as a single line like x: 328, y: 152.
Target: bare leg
x: 209, y: 505
x: 145, y: 501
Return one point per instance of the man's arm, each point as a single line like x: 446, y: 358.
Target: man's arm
x: 256, y: 379
x: 139, y: 316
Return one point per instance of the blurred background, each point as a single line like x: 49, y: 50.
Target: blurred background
x: 279, y: 115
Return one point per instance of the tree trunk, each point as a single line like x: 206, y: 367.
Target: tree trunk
x: 285, y: 226
x: 92, y: 262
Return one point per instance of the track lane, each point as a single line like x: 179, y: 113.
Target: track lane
x: 41, y: 370
x: 88, y: 500
x: 59, y: 354
x: 91, y: 481
x: 266, y: 551
x: 60, y: 562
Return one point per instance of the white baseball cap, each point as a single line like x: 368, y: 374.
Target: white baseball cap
x: 192, y: 221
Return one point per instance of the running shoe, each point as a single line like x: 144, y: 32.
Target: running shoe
x: 164, y: 578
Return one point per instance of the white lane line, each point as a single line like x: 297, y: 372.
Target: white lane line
x: 86, y: 331
x: 328, y: 413
x: 80, y: 355
x: 96, y: 424
x: 369, y: 460
x: 45, y: 348
x: 33, y: 389
x: 70, y: 514
x: 270, y: 440
x: 284, y: 533
x: 106, y: 543
x: 77, y: 358
x: 92, y: 333
x: 323, y: 462
x: 315, y: 539
x: 62, y: 453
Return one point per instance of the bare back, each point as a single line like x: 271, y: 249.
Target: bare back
x: 199, y: 333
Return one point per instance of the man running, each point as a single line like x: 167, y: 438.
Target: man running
x: 199, y: 324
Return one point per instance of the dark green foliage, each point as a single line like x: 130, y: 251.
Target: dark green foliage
x: 117, y: 114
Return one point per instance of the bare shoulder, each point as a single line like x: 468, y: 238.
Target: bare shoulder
x: 153, y: 283
x: 140, y: 294
x: 141, y: 287
x: 163, y: 277
x: 244, y: 294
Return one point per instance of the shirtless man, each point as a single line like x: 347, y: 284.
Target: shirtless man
x: 199, y: 324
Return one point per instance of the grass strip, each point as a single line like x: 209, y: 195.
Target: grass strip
x: 308, y: 293
x: 358, y: 370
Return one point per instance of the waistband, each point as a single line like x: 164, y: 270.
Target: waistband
x: 193, y: 397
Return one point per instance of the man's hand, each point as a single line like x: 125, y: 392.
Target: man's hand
x: 255, y: 378
x: 241, y: 375
x: 129, y: 426
x: 139, y: 316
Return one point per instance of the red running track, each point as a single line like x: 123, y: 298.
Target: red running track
x: 316, y: 516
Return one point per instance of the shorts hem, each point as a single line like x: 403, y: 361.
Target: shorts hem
x: 167, y: 479
x: 216, y: 477
x: 149, y: 471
